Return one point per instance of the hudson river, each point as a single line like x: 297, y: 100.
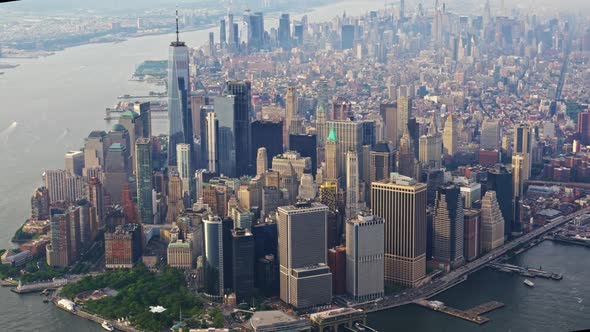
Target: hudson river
x: 49, y: 105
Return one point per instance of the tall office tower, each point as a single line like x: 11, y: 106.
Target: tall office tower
x: 241, y: 90
x: 212, y: 134
x: 291, y: 162
x: 349, y: 136
x: 128, y: 206
x: 40, y: 204
x: 230, y: 26
x: 214, y: 281
x: 404, y: 114
x: 521, y: 159
x: 284, y: 32
x: 490, y: 134
x: 95, y: 196
x: 211, y: 44
x: 222, y: 33
x: 183, y: 160
x: 145, y: 188
x: 450, y: 137
x: 74, y: 161
x: 116, y: 171
x: 352, y: 184
x: 261, y: 162
x: 255, y: 22
x: 584, y: 127
x: 74, y: 220
x: 131, y: 121
x: 292, y: 112
x: 389, y: 116
x: 472, y: 229
x: 243, y: 264
x: 178, y: 94
x: 144, y: 119
x: 94, y: 150
x: 332, y: 170
x: 298, y: 34
x: 347, y: 36
x: 492, y: 223
x: 364, y: 257
x: 226, y: 135
x: 175, y: 197
x: 236, y: 40
x: 58, y: 251
x: 406, y: 162
x: 328, y: 194
x: 63, y: 186
x: 261, y: 131
x: 271, y: 197
x: 306, y: 145
x: 85, y: 227
x: 500, y: 181
x: 401, y: 202
x: 305, y: 278
x: 430, y: 147
x: 381, y: 162
x: 402, y: 9
x: 341, y: 109
x: 447, y: 227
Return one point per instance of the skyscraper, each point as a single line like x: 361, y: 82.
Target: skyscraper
x: 284, y: 32
x: 406, y: 159
x: 292, y: 112
x: 243, y: 136
x: 401, y: 202
x: 178, y: 94
x: 364, y: 257
x: 222, y: 33
x: 261, y: 131
x: 261, y: 161
x: 143, y: 148
x: 584, y: 127
x: 500, y: 181
x: 40, y: 204
x: 404, y: 114
x: 332, y: 170
x: 183, y: 158
x: 95, y: 196
x: 59, y: 250
x: 450, y: 137
x: 348, y: 136
x: 243, y: 264
x: 389, y: 116
x: 226, y: 135
x: 306, y: 145
x: 347, y: 36
x: 521, y: 164
x: 214, y: 281
x: 305, y: 279
x: 352, y: 183
x: 211, y: 143
x: 381, y: 162
x: 492, y: 223
x: 447, y: 226
x: 74, y: 162
x: 490, y: 134
x: 430, y: 147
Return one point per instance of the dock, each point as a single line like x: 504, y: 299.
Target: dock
x: 571, y: 240
x: 472, y: 315
x: 525, y: 272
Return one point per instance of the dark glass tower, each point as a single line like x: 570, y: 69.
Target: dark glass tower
x: 267, y: 134
x: 500, y: 181
x: 243, y: 264
x: 242, y: 91
x: 306, y: 145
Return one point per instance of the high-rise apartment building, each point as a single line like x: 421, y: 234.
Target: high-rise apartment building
x: 305, y: 279
x: 63, y: 186
x: 401, y: 202
x: 365, y: 257
x: 59, y: 250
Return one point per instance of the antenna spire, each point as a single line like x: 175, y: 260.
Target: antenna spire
x: 177, y: 33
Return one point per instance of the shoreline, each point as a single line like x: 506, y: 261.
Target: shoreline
x: 92, y: 317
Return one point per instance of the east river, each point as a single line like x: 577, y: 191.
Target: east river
x: 48, y: 105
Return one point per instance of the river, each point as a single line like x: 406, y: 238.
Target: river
x: 549, y: 306
x: 49, y: 105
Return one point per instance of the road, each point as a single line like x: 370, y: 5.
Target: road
x: 457, y: 276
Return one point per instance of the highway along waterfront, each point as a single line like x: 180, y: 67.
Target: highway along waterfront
x: 549, y: 306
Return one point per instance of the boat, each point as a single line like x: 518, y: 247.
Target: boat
x: 107, y: 326
x: 529, y: 283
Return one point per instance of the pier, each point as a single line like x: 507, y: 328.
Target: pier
x: 40, y: 286
x: 525, y: 272
x: 472, y: 315
x: 571, y: 240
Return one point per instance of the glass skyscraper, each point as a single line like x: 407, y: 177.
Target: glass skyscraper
x: 143, y: 150
x: 178, y: 92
